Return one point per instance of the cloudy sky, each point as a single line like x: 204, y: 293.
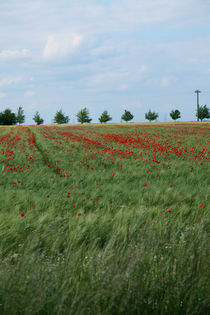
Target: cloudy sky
x: 104, y: 55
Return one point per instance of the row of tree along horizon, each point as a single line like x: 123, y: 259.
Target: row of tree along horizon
x: 7, y: 117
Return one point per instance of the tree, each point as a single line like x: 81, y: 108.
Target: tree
x: 60, y: 118
x: 175, y: 114
x: 38, y: 120
x: 83, y: 116
x: 203, y: 112
x: 7, y: 117
x: 127, y: 116
x: 104, y: 117
x: 20, y: 115
x: 151, y: 115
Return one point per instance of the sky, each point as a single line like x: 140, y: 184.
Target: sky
x: 104, y: 55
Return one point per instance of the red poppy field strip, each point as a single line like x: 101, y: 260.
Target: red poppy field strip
x: 116, y: 155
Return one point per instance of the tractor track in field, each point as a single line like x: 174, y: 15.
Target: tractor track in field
x: 45, y: 158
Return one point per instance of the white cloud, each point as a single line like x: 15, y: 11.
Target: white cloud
x: 60, y: 46
x: 156, y: 11
x: 2, y: 95
x: 107, y: 77
x: 9, y: 81
x: 29, y: 93
x: 198, y: 48
x: 165, y: 81
x: 124, y: 87
x: 7, y: 55
x: 142, y: 69
x: 192, y: 60
x: 151, y: 82
x: 116, y: 74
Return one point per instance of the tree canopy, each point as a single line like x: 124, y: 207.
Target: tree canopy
x: 20, y: 117
x: 38, y: 120
x: 60, y: 118
x: 83, y: 116
x: 127, y: 116
x: 175, y: 114
x: 105, y: 117
x: 203, y: 112
x: 151, y: 115
x: 7, y: 117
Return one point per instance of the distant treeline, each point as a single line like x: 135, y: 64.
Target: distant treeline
x: 7, y: 117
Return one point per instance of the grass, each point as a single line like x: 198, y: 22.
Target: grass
x: 129, y: 236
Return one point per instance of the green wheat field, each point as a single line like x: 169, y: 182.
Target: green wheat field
x: 104, y: 219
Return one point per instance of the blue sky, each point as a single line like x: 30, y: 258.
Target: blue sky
x: 104, y: 55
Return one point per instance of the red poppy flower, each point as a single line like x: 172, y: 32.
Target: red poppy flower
x: 170, y: 185
x: 67, y: 195
x: 14, y: 183
x: 74, y: 206
x: 22, y: 214
x: 83, y: 199
x: 201, y: 205
x: 169, y: 210
x: 79, y: 213
x: 145, y: 185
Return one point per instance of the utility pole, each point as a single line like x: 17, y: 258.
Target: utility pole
x: 197, y: 91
